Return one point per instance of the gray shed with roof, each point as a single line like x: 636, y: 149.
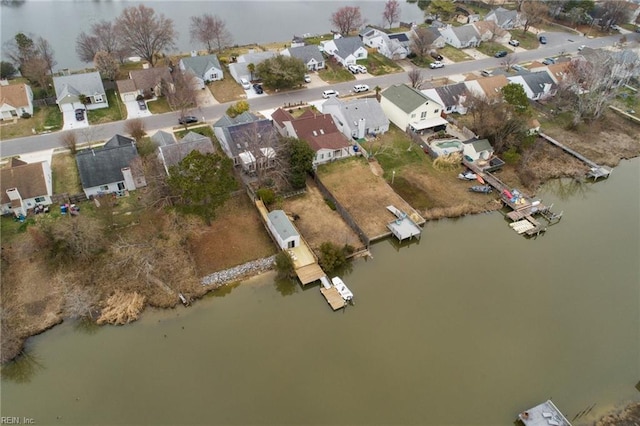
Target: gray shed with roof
x: 283, y: 230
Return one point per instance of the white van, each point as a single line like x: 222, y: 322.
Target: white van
x: 245, y: 84
x: 360, y: 88
x: 329, y: 94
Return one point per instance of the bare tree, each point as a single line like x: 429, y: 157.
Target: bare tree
x: 102, y: 37
x: 70, y: 140
x: 36, y: 69
x: 611, y: 12
x: 391, y: 12
x: 135, y: 128
x: 182, y: 97
x: 144, y: 32
x: 416, y: 78
x: 347, y: 19
x: 532, y: 13
x: 497, y: 122
x: 422, y: 41
x: 45, y: 51
x: 107, y: 65
x: 211, y: 31
x: 510, y: 60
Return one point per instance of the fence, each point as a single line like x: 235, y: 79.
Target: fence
x: 66, y: 198
x: 44, y: 101
x: 342, y: 211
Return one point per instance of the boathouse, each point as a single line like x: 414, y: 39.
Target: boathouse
x: 283, y: 230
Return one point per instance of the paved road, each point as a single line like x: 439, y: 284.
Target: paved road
x: 558, y: 43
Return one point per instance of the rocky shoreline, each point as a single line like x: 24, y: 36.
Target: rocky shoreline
x: 254, y: 267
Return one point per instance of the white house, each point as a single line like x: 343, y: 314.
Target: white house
x: 15, y: 100
x: 25, y: 185
x: 537, y: 85
x: 478, y: 150
x: 392, y: 48
x: 346, y: 50
x: 357, y: 118
x: 240, y: 68
x: 461, y: 37
x: 506, y: 19
x: 204, y: 68
x: 70, y: 88
x: 412, y: 110
x: 309, y: 55
x: 451, y: 96
x: 283, y: 230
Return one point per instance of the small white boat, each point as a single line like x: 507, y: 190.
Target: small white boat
x: 344, y: 291
x: 468, y: 175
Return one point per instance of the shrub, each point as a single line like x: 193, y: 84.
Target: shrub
x: 25, y: 115
x: 266, y: 195
x: 284, y: 264
x: 511, y: 155
x: 330, y: 203
x: 332, y: 256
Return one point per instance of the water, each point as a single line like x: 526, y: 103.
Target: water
x: 469, y: 326
x: 60, y: 21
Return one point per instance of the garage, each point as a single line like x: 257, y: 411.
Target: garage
x: 67, y: 107
x: 129, y: 97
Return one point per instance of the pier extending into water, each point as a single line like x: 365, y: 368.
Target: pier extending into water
x: 545, y: 414
x: 403, y: 227
x: 596, y: 171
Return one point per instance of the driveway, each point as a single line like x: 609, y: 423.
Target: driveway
x: 134, y: 111
x: 475, y: 54
x: 204, y: 98
x: 70, y: 121
x: 316, y: 81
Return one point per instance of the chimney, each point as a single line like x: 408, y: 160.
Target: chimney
x: 194, y: 53
x: 361, y: 128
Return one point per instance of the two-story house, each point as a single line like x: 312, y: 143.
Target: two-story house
x: 412, y: 110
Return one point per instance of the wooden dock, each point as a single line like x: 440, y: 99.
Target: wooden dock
x: 596, y: 171
x: 333, y: 298
x: 403, y: 227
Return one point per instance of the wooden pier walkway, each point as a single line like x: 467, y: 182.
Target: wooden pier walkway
x: 597, y: 171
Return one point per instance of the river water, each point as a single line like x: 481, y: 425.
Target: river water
x: 262, y: 21
x: 469, y: 326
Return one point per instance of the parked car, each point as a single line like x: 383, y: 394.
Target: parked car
x: 615, y: 27
x: 258, y: 89
x: 435, y: 55
x: 582, y: 46
x: 542, y: 40
x: 514, y: 42
x: 549, y: 61
x: 307, y: 78
x: 79, y: 114
x: 361, y: 69
x: 518, y: 68
x: 142, y: 105
x: 360, y: 88
x: 187, y: 119
x: 330, y: 94
x: 353, y: 69
x: 436, y: 64
x: 501, y: 54
x: 638, y: 29
x: 486, y: 73
x: 245, y: 84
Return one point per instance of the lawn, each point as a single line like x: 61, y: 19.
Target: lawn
x: 159, y: 105
x: 226, y: 90
x: 490, y: 48
x: 115, y: 112
x: 318, y: 38
x: 527, y: 40
x: 45, y: 118
x: 65, y: 174
x: 453, y: 54
x: 335, y: 73
x: 201, y: 130
x: 378, y: 64
x: 394, y: 150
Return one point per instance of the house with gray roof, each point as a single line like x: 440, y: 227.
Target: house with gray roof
x: 70, y: 88
x: 162, y: 138
x: 147, y: 82
x: 171, y: 154
x: 392, y: 48
x: 251, y: 142
x: 23, y: 186
x: 357, y: 118
x: 452, y: 97
x: 505, y: 18
x: 345, y: 50
x: 461, y: 37
x: 412, y: 110
x: 537, y: 85
x: 478, y: 149
x: 239, y: 69
x: 111, y: 169
x: 204, y: 68
x: 309, y: 55
x: 282, y: 229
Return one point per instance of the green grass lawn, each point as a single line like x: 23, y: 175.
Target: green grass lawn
x: 378, y: 64
x: 395, y: 150
x: 527, y: 40
x: 65, y: 174
x: 159, y: 105
x: 335, y: 73
x: 453, y: 54
x: 318, y: 38
x: 490, y: 48
x: 202, y: 130
x: 116, y: 111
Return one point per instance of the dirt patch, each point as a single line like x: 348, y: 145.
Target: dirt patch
x: 236, y: 236
x: 317, y: 222
x: 629, y: 416
x: 364, y: 195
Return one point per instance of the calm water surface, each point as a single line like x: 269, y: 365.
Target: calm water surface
x: 468, y: 327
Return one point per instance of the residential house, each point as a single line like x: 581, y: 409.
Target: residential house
x: 438, y: 40
x: 357, y: 118
x: 537, y: 85
x: 487, y: 87
x: 147, y: 82
x: 478, y: 150
x: 171, y: 154
x: 15, y: 100
x: 309, y: 55
x: 71, y: 90
x: 490, y: 31
x: 461, y: 37
x: 473, y: 17
x: 412, y: 110
x: 25, y: 185
x: 345, y: 50
x: 251, y: 142
x: 318, y: 130
x: 557, y: 71
x: 506, y: 19
x: 111, y: 169
x: 204, y: 68
x: 240, y: 68
x: 451, y: 96
x: 391, y: 48
x: 404, y: 38
x: 282, y: 229
x: 162, y: 138
x: 298, y: 41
